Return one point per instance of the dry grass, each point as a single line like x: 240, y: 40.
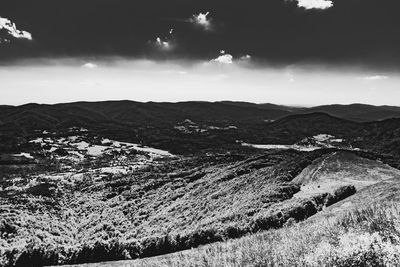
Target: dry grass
x: 361, y: 237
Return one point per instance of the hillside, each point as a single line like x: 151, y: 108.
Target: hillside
x: 305, y: 243
x: 161, y: 208
x: 343, y: 168
x: 165, y: 206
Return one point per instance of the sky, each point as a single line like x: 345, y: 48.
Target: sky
x: 305, y: 52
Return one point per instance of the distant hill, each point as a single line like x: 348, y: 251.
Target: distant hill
x: 357, y: 112
x: 218, y: 123
x: 152, y: 112
x: 317, y: 122
x: 354, y: 112
x: 267, y: 106
x: 138, y: 113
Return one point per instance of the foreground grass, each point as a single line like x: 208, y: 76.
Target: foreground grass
x: 362, y: 237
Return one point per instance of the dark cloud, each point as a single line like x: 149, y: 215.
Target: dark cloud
x: 365, y: 31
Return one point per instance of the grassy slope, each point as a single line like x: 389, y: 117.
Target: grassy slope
x: 361, y: 237
x: 387, y: 190
x: 348, y: 232
x: 343, y: 168
x: 168, y: 207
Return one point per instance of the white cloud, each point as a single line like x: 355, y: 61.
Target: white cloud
x: 224, y: 59
x: 375, y: 77
x: 11, y: 28
x: 202, y: 20
x: 89, y: 65
x: 315, y: 4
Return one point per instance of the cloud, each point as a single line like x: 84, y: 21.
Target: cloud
x: 224, y: 59
x: 202, y: 20
x: 89, y: 65
x: 245, y: 58
x: 315, y: 4
x: 11, y: 29
x: 164, y: 44
x: 375, y: 78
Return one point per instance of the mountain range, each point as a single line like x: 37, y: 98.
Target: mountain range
x: 218, y: 123
x: 152, y: 112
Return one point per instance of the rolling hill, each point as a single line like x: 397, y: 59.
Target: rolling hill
x: 357, y: 112
x: 219, y: 124
x: 375, y: 183
x: 137, y: 113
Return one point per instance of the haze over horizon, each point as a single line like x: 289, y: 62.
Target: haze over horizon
x: 172, y: 81
x: 287, y: 52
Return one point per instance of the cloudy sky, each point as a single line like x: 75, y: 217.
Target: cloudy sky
x: 304, y: 52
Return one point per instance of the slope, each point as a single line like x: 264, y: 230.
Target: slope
x: 343, y: 168
x: 166, y: 207
x: 304, y: 244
